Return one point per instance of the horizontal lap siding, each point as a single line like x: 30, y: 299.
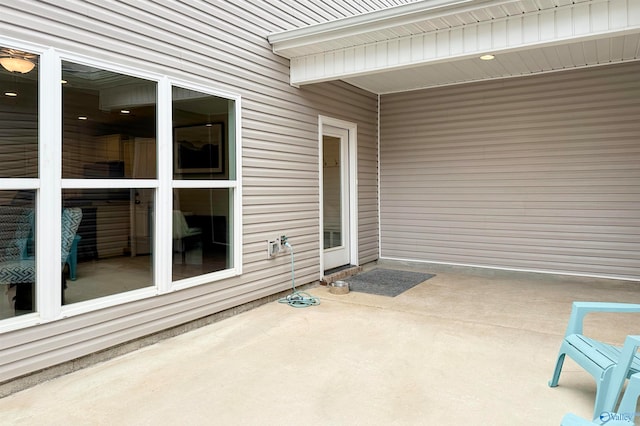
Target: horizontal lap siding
x: 223, y: 46
x: 363, y: 106
x: 539, y: 173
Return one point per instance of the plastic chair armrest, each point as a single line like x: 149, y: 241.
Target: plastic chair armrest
x: 580, y: 309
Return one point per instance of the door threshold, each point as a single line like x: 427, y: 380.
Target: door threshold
x: 341, y: 272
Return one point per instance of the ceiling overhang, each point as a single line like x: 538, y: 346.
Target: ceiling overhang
x: 438, y: 42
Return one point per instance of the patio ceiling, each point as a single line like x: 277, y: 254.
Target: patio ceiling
x: 439, y: 42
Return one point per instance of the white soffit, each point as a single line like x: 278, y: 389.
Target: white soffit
x: 434, y: 42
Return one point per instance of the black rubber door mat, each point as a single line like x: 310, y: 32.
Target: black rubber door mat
x: 386, y: 282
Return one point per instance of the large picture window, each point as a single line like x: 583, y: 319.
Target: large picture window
x: 108, y: 133
x: 102, y: 184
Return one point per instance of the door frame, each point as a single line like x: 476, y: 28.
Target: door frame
x: 352, y: 147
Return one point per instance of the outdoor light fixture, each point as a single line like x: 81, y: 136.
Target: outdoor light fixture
x: 17, y: 64
x: 487, y: 57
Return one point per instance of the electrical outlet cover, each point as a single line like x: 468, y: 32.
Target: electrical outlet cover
x: 273, y: 247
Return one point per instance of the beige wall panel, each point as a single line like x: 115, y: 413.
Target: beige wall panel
x: 538, y: 173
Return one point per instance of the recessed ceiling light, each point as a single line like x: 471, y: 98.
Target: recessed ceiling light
x: 11, y: 94
x: 487, y: 57
x: 82, y: 117
x: 125, y: 111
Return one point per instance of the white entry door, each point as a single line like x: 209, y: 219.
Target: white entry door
x: 336, y: 211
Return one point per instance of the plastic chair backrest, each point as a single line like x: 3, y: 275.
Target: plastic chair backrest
x: 71, y: 218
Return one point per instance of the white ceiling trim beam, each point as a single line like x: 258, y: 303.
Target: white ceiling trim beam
x: 353, y: 26
x: 549, y: 27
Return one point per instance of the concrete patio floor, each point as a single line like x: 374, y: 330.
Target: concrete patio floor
x: 468, y: 346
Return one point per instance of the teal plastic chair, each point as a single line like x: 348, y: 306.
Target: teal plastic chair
x: 598, y: 358
x: 18, y: 271
x: 72, y: 258
x: 626, y: 412
x: 16, y: 225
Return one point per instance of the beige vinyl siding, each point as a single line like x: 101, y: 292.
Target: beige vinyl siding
x: 539, y: 173
x: 362, y: 107
x: 223, y: 46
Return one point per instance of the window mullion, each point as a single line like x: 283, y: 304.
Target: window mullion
x: 48, y: 217
x: 163, y: 205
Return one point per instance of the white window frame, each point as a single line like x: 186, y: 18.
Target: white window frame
x: 233, y: 184
x: 49, y: 186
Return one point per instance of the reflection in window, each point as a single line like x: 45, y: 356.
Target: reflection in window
x: 17, y: 255
x: 203, y: 151
x: 109, y: 132
x: 201, y: 231
x: 201, y: 148
x: 18, y: 114
x: 332, y: 192
x: 109, y: 127
x: 19, y: 73
x: 113, y: 246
